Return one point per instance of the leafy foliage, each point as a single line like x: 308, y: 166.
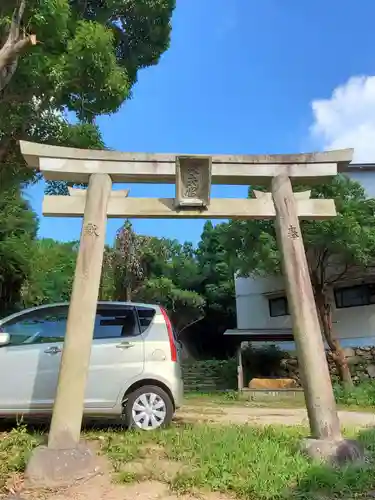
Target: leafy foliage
x: 184, y: 306
x: 151, y: 269
x: 329, y: 259
x: 15, y: 449
x: 86, y: 61
x: 128, y: 261
x: 214, y: 280
x: 51, y: 276
x: 18, y: 226
x: 362, y: 395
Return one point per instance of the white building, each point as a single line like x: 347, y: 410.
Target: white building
x: 262, y: 309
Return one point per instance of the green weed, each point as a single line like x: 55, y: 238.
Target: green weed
x: 251, y: 463
x: 15, y: 448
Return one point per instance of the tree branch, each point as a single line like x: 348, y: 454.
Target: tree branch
x: 342, y: 274
x: 322, y: 266
x: 16, y: 43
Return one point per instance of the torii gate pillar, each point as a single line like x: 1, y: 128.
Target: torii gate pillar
x: 319, y: 395
x: 67, y: 414
x: 326, y: 441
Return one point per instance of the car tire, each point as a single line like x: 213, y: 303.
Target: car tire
x: 148, y: 408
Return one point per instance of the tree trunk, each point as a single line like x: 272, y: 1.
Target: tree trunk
x: 16, y: 42
x: 128, y: 293
x: 325, y: 314
x: 101, y: 284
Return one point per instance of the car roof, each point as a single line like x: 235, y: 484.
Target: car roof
x: 66, y: 304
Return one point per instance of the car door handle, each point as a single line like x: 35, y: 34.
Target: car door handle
x: 125, y: 345
x: 52, y: 350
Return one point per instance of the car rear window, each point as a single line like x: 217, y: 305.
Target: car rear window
x: 145, y: 315
x: 115, y: 322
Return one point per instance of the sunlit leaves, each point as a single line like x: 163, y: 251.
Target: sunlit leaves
x: 86, y: 61
x: 347, y: 240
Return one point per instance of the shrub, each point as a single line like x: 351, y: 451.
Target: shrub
x: 210, y: 375
x: 361, y: 395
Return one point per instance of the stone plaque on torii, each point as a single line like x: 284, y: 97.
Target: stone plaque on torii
x: 193, y: 176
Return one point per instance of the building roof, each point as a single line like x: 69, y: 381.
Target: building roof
x: 262, y: 334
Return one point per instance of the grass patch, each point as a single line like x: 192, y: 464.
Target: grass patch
x: 244, y: 400
x: 247, y: 462
x: 15, y: 448
x: 360, y: 398
x: 213, y: 398
x: 251, y: 463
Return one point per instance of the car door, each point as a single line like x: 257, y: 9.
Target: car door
x: 117, y: 355
x: 29, y: 365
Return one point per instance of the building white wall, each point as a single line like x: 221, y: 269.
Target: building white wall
x: 367, y: 179
x: 252, y: 305
x: 253, y: 311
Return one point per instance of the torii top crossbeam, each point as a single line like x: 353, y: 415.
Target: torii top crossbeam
x: 76, y: 165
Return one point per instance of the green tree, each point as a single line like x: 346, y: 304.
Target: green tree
x: 50, y: 278
x: 216, y: 272
x: 76, y: 55
x: 172, y: 276
x: 185, y: 307
x: 126, y: 260
x: 18, y: 226
x: 335, y: 249
x: 213, y: 279
x: 157, y: 270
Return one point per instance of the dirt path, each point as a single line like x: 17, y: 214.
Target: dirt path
x: 264, y: 416
x: 102, y: 487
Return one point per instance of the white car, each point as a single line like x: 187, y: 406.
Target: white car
x: 134, y: 367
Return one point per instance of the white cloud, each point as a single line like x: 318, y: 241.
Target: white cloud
x: 347, y: 118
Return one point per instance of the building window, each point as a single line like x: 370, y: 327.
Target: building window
x: 355, y: 296
x: 278, y: 307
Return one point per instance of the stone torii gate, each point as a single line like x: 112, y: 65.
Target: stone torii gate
x: 193, y: 176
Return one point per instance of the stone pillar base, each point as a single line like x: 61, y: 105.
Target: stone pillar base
x: 53, y: 468
x: 333, y: 452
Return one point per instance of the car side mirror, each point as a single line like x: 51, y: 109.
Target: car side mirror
x: 4, y: 339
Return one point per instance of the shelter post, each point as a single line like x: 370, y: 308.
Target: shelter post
x: 240, y: 380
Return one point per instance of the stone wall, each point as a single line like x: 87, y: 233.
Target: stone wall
x: 209, y: 375
x: 220, y: 375
x: 361, y: 361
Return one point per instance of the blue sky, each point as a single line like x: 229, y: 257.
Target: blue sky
x: 246, y: 76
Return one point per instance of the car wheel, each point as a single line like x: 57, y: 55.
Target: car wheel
x: 148, y: 408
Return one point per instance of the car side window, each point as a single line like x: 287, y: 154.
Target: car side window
x: 145, y: 316
x: 115, y: 322
x: 40, y: 326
